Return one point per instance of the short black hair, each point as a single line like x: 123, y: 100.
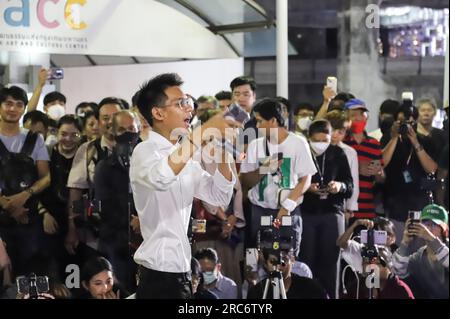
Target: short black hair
x: 87, y: 116
x: 243, y: 80
x: 70, y: 119
x: 82, y: 105
x: 319, y: 126
x: 284, y: 101
x: 15, y: 92
x: 408, y: 111
x: 344, y: 96
x: 36, y: 117
x: 135, y: 98
x: 93, y: 267
x: 382, y: 223
x: 125, y: 104
x: 54, y: 96
x: 389, y: 106
x: 52, y: 123
x: 208, y: 99
x: 195, y: 267
x: 207, y: 253
x: 223, y: 95
x: 111, y: 100
x: 270, y: 108
x: 151, y: 93
x: 303, y: 106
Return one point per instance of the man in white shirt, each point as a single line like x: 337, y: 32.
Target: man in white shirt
x: 165, y: 180
x: 276, y: 190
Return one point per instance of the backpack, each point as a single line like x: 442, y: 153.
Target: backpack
x: 18, y: 172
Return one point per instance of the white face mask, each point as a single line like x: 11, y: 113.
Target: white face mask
x: 51, y: 140
x: 319, y: 147
x: 303, y: 123
x: 56, y: 111
x: 209, y: 277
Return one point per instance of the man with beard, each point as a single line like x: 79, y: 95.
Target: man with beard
x: 81, y: 177
x: 114, y: 198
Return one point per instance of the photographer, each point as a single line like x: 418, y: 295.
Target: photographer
x: 380, y: 267
x: 296, y: 287
x: 409, y: 158
x: 115, y: 202
x: 276, y: 164
x: 213, y: 280
x: 323, y: 205
x: 165, y: 179
x: 81, y: 177
x: 427, y: 268
x: 352, y: 249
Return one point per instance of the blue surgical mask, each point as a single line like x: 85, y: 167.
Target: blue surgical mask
x: 209, y: 277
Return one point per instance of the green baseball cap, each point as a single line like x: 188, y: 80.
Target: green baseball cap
x: 437, y: 214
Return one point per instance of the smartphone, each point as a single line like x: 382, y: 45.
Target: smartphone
x: 251, y: 258
x: 237, y: 113
x: 55, y: 74
x: 332, y: 83
x: 414, y: 216
x: 379, y: 237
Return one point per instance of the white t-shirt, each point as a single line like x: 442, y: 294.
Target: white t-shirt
x: 297, y: 163
x: 352, y: 255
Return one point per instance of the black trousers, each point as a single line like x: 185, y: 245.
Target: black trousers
x: 163, y: 285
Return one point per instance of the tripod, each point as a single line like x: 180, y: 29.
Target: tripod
x: 276, y: 280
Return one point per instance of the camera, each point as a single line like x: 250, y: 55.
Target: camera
x: 273, y: 240
x: 371, y: 238
x: 32, y: 285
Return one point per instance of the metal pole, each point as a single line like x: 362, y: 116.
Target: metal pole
x: 282, y: 49
x: 446, y: 75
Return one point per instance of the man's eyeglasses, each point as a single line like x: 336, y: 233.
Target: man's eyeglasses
x: 183, y: 103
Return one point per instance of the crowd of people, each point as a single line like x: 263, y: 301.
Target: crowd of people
x: 113, y: 190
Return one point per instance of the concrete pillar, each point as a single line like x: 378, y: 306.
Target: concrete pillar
x: 282, y: 49
x: 358, y: 59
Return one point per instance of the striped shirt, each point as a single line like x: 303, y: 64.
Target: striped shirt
x: 368, y: 150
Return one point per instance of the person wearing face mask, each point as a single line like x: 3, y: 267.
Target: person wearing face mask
x: 213, y: 280
x: 386, y: 119
x: 81, y: 177
x: 370, y: 161
x: 55, y: 105
x: 115, y: 201
x: 323, y: 205
x: 303, y: 116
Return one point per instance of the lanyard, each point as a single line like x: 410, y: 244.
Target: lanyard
x: 319, y: 170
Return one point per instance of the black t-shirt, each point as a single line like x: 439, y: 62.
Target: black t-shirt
x: 443, y: 164
x: 333, y: 166
x: 301, y: 288
x: 56, y: 196
x: 404, y: 175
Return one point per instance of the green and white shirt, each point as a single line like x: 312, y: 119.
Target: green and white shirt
x: 297, y: 163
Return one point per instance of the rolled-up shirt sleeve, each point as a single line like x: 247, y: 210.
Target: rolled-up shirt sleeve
x: 216, y: 189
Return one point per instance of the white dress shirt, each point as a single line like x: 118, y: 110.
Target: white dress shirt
x: 163, y: 201
x: 352, y: 158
